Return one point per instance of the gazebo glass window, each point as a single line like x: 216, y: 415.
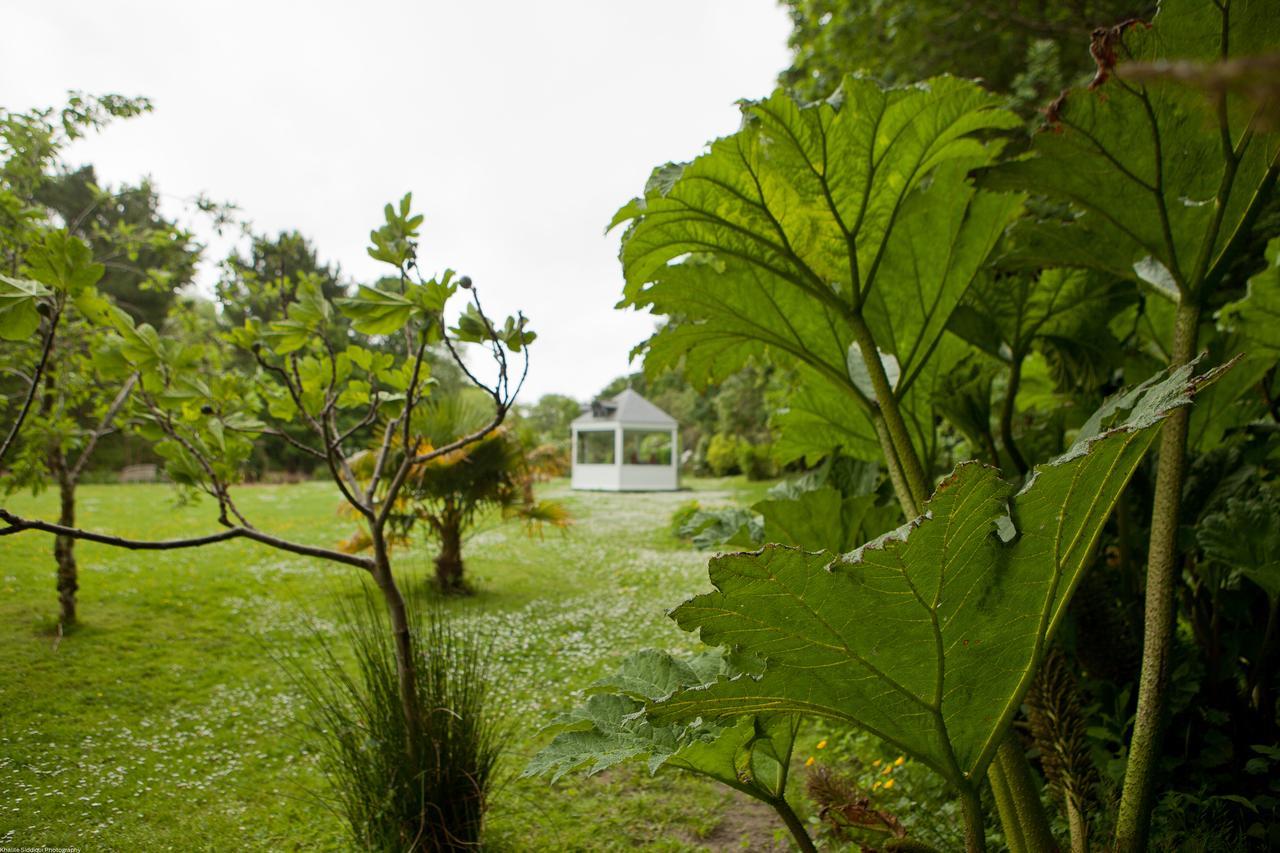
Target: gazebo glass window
x: 595, y: 447
x: 646, y: 447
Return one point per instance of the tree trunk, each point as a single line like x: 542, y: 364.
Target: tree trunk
x: 64, y: 550
x: 449, y: 559
x: 402, y: 637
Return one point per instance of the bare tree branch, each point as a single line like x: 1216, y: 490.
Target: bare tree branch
x: 305, y: 448
x: 104, y: 426
x: 35, y: 383
x: 17, y: 524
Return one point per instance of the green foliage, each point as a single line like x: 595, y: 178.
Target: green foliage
x: 756, y: 461
x: 856, y: 776
x: 834, y: 508
x: 314, y: 380
x: 57, y: 306
x: 261, y: 283
x: 549, y: 419
x: 20, y: 304
x: 741, y: 406
x: 148, y: 257
x: 903, y: 40
x: 722, y: 454
x: 445, y: 496
x: 824, y: 519
x: 1056, y: 312
x: 1245, y: 534
x: 969, y: 592
x: 1257, y: 315
x: 1166, y: 187
x: 722, y: 527
x: 751, y: 754
x: 682, y: 514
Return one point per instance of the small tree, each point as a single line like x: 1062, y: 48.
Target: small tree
x: 205, y: 417
x: 450, y: 493
x: 55, y: 314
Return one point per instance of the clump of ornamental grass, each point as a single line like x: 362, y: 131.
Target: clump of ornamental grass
x: 399, y: 789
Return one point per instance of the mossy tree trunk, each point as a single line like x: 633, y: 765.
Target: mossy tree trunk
x: 449, y: 568
x: 64, y: 549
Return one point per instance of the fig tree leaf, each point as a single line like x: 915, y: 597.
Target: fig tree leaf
x: 64, y: 263
x: 376, y: 312
x: 928, y: 636
x: 19, y: 317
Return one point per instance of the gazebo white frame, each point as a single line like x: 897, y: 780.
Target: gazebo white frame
x: 628, y: 412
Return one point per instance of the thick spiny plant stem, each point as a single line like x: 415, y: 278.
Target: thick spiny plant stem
x: 896, y: 432
x: 794, y: 825
x: 1033, y: 823
x: 1006, y: 416
x: 975, y: 839
x: 1006, y: 809
x: 1134, y: 820
x: 902, y: 461
x: 896, y: 475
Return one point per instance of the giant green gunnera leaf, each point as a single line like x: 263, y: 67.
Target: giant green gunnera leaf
x: 1165, y: 182
x: 928, y: 636
x: 750, y: 754
x: 813, y: 223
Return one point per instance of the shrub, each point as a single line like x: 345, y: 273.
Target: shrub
x: 722, y: 454
x: 399, y: 790
x: 756, y: 461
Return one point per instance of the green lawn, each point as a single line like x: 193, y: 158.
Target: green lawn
x: 165, y: 722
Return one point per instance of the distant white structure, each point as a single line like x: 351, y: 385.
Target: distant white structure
x: 626, y: 444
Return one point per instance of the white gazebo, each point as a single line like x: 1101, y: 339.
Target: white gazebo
x: 626, y: 444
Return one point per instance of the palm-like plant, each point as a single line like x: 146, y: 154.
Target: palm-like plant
x: 449, y: 494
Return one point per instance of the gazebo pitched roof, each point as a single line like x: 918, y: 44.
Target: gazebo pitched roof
x: 628, y: 409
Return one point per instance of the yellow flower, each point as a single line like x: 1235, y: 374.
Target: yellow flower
x: 809, y: 763
x: 875, y: 763
x: 899, y: 761
x: 822, y: 744
x: 876, y: 785
x: 888, y: 768
x: 888, y: 785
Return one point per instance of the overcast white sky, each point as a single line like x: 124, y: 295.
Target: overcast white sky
x: 519, y: 126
